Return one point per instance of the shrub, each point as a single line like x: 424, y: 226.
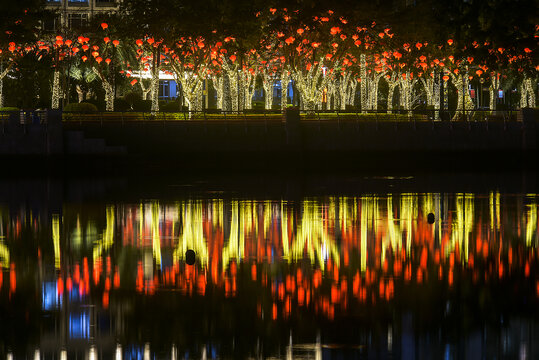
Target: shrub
x: 258, y: 104
x: 83, y: 107
x: 172, y: 106
x: 8, y: 109
x: 121, y: 105
x: 131, y: 98
x: 99, y: 104
x: 142, y: 105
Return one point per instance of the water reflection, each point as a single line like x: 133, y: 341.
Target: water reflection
x: 323, y: 277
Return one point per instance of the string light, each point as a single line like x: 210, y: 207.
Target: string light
x: 285, y: 80
x: 363, y: 85
x: 267, y: 84
x: 311, y: 85
x: 527, y: 95
x: 56, y: 91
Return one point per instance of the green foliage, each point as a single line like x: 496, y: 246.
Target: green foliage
x: 172, y: 106
x: 142, y: 105
x: 8, y: 109
x: 258, y: 104
x: 99, y: 103
x: 132, y: 97
x: 121, y: 105
x: 83, y: 107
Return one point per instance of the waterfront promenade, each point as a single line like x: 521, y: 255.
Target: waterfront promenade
x: 280, y: 137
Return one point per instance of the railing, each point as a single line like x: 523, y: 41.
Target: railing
x: 23, y: 118
x: 254, y: 116
x: 247, y: 117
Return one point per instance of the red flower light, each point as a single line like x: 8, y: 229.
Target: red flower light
x: 104, y: 26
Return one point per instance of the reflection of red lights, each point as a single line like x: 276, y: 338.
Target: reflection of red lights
x: 60, y: 286
x: 12, y: 278
x: 371, y: 257
x: 116, y: 278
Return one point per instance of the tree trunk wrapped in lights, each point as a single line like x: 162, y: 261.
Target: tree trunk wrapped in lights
x: 145, y: 90
x: 330, y: 92
x: 285, y: 80
x: 3, y: 74
x: 372, y: 97
x: 350, y: 99
x: 154, y: 93
x: 218, y: 85
x: 192, y: 84
x: 232, y: 73
x: 363, y: 86
x: 407, y: 83
x: 345, y: 83
x: 154, y: 83
x: 267, y: 84
x: 432, y: 90
x: 493, y: 90
x: 392, y: 83
x: 527, y: 94
x: 56, y: 90
x: 461, y: 84
x: 241, y: 90
x: 109, y: 90
x: 249, y: 82
x: 311, y: 85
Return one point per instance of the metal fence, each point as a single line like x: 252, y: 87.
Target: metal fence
x: 39, y: 117
x: 23, y: 118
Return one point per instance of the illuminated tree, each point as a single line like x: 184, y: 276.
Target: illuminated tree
x: 149, y: 63
x: 8, y: 57
x: 190, y: 59
x: 106, y: 60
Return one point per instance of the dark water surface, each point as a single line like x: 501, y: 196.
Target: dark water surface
x: 315, y: 267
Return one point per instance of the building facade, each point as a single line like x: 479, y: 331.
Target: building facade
x: 76, y: 13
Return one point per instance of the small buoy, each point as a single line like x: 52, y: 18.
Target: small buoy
x: 430, y: 218
x: 190, y: 257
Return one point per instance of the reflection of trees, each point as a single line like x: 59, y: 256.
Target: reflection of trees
x: 192, y: 232
x: 312, y: 237
x: 378, y: 254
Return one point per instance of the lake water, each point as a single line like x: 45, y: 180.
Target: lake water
x: 342, y: 268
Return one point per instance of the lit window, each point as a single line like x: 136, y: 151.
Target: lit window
x: 164, y: 89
